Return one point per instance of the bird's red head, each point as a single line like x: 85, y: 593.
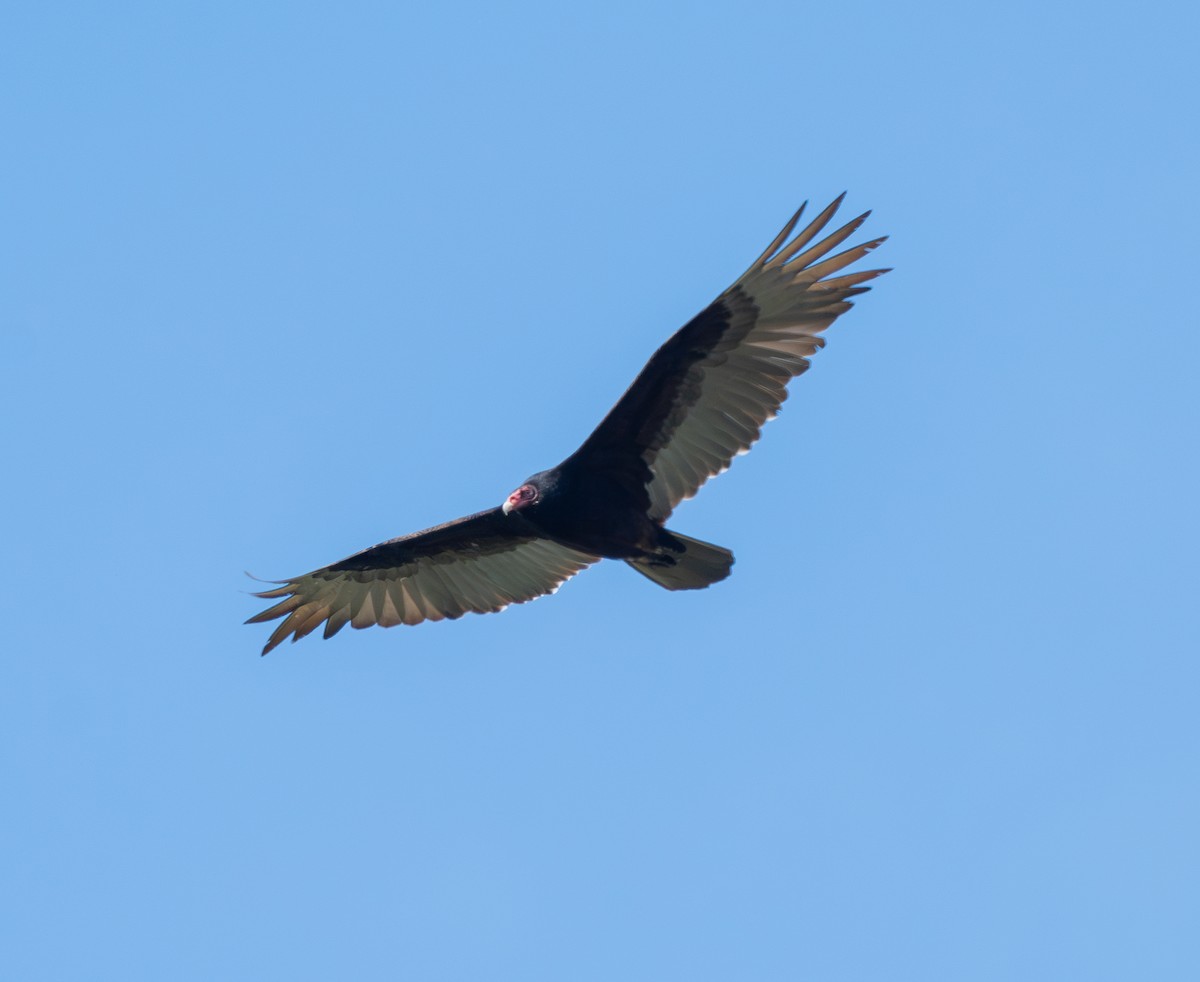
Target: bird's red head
x: 523, y: 497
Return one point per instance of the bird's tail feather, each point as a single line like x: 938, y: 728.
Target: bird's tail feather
x: 683, y: 563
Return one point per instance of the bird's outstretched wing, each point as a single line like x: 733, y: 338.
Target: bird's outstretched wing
x: 705, y: 394
x: 480, y: 563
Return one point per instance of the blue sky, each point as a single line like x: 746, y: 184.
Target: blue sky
x: 283, y: 280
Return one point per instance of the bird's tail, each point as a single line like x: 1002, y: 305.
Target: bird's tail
x: 682, y: 563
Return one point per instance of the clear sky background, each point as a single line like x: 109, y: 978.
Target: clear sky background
x: 283, y: 280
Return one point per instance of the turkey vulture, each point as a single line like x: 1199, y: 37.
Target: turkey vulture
x: 701, y: 399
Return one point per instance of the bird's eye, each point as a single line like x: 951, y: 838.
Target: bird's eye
x: 528, y: 493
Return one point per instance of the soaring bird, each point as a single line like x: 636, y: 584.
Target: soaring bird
x: 701, y: 400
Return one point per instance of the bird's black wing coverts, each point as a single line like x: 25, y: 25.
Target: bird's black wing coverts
x: 704, y: 396
x: 478, y: 564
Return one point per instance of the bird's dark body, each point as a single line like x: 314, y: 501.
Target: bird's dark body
x: 592, y: 510
x: 596, y: 500
x: 642, y: 416
x: 702, y: 398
